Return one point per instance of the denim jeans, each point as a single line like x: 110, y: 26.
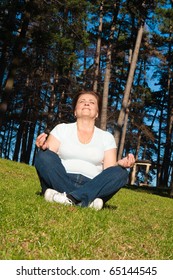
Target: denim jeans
x: 52, y: 174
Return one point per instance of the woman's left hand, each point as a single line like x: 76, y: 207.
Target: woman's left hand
x: 127, y: 162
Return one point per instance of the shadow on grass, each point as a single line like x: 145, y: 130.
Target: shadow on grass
x: 111, y: 207
x: 152, y: 190
x: 39, y: 193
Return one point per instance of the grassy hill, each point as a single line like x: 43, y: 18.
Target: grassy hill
x: 133, y: 225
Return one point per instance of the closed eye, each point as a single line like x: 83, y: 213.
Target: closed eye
x: 85, y: 101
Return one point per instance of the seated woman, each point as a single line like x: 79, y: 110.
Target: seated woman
x: 77, y: 163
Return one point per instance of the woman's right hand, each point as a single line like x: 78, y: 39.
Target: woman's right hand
x: 41, y: 142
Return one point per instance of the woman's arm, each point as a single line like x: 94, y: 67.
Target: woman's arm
x: 111, y: 160
x: 43, y: 142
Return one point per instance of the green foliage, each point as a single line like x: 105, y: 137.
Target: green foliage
x: 133, y: 225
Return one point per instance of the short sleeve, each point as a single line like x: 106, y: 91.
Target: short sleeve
x: 58, y: 131
x: 109, y: 141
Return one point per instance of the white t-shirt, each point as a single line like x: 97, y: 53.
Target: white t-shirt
x: 78, y: 158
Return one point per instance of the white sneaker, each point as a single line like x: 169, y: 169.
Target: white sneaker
x: 62, y: 198
x: 97, y: 204
x: 49, y: 194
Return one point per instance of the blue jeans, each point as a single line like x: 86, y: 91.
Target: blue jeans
x: 52, y: 174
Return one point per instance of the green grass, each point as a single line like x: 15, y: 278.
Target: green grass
x: 134, y: 225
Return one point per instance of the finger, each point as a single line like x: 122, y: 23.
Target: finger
x: 41, y: 139
x: 130, y: 156
x: 42, y: 142
x: 44, y: 146
x: 40, y: 135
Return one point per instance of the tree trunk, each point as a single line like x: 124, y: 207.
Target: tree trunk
x: 98, y: 49
x: 18, y: 142
x: 164, y: 176
x: 103, y: 122
x: 30, y: 140
x: 128, y: 85
x: 3, y: 63
x: 121, y: 148
x: 14, y: 65
x: 171, y: 185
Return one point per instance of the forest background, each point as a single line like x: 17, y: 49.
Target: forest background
x: 49, y: 50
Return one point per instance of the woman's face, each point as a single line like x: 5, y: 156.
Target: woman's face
x: 86, y: 106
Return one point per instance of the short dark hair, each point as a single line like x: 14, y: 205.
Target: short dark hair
x: 97, y: 96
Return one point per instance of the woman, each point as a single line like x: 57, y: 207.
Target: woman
x: 77, y: 163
